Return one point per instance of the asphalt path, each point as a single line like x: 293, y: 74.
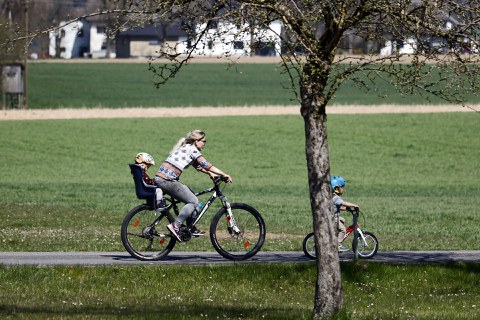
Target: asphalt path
x: 212, y: 258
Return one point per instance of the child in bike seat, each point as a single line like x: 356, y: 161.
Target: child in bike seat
x: 145, y: 160
x: 338, y: 187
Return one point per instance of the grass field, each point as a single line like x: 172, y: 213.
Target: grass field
x: 79, y: 85
x: 130, y: 84
x: 66, y: 185
x: 276, y: 291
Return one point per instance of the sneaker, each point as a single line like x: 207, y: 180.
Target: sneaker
x: 175, y: 231
x: 161, y: 209
x: 342, y: 248
x: 197, y: 232
x: 162, y: 205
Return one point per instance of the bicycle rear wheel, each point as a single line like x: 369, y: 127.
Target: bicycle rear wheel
x: 369, y: 248
x: 242, y: 242
x: 144, y: 234
x: 309, y: 246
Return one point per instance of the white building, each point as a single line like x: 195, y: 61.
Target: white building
x: 77, y: 40
x: 88, y: 39
x: 70, y: 40
x: 237, y: 40
x: 98, y: 38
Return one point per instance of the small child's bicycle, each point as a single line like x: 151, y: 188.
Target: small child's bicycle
x: 237, y: 230
x: 367, y: 241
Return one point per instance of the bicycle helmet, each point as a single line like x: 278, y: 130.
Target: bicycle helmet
x: 144, y: 157
x: 337, y: 181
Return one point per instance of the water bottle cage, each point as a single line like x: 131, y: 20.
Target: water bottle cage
x: 197, y: 211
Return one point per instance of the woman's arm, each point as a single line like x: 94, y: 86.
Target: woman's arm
x: 219, y: 172
x: 214, y: 172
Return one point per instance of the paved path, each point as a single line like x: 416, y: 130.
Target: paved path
x: 207, y: 258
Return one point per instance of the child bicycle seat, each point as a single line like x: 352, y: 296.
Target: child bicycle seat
x: 143, y: 190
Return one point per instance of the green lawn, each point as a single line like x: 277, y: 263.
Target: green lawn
x: 116, y: 85
x: 66, y: 185
x: 56, y: 85
x: 271, y: 291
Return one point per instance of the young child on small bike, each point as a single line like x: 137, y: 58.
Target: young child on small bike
x: 338, y: 187
x: 145, y: 160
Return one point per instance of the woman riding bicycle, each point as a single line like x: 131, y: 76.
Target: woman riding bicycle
x: 186, y: 152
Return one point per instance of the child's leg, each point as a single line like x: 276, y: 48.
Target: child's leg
x: 159, y: 196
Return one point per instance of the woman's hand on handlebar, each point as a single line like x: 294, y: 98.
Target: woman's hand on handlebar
x: 215, y: 171
x: 215, y: 178
x: 227, y: 178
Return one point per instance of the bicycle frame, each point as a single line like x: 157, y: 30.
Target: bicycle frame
x: 216, y: 190
x: 356, y: 231
x: 216, y: 193
x: 360, y: 232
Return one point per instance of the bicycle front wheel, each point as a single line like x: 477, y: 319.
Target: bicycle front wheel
x: 369, y: 248
x: 309, y: 246
x: 144, y: 234
x: 241, y: 238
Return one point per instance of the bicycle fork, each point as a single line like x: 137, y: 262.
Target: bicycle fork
x: 232, y: 224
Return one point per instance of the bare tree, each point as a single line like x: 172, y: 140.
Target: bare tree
x: 438, y: 59
x: 53, y: 12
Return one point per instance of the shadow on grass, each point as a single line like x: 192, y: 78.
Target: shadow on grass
x: 358, y: 271
x: 153, y: 311
x: 465, y: 267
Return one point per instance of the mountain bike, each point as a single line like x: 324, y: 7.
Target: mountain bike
x: 367, y: 242
x: 237, y: 230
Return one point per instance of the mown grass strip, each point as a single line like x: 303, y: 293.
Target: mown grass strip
x: 118, y: 85
x: 270, y: 291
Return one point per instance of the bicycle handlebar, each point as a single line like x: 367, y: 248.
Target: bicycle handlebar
x: 353, y: 209
x: 218, y: 179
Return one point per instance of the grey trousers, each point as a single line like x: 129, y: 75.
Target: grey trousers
x: 182, y: 193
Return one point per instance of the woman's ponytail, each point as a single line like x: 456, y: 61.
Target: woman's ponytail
x: 191, y: 137
x: 180, y: 142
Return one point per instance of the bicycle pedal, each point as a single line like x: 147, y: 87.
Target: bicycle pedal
x: 197, y: 235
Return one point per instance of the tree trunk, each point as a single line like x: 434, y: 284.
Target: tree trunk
x: 328, y: 290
